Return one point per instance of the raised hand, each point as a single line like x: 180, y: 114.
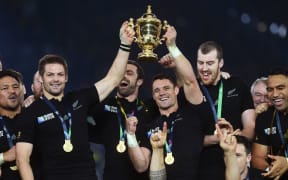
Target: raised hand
x: 225, y: 75
x: 261, y: 108
x: 225, y: 125
x: 131, y: 124
x: 170, y: 36
x: 167, y: 61
x: 158, y: 139
x: 126, y: 34
x: 228, y: 142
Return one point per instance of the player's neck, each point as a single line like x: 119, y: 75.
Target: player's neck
x: 217, y: 80
x: 244, y: 173
x: 169, y: 110
x: 130, y: 98
x: 50, y: 96
x: 10, y: 113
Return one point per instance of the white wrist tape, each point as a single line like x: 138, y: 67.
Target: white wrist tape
x: 131, y: 140
x: 1, y: 159
x: 174, y: 51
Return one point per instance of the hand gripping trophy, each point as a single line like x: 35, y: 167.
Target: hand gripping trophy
x: 148, y: 30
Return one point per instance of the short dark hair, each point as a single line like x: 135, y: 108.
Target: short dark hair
x: 51, y: 59
x: 279, y: 71
x: 12, y: 73
x: 140, y: 71
x: 243, y: 140
x: 164, y: 76
x: 209, y: 46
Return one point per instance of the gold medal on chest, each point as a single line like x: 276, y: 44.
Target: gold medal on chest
x: 169, y: 159
x: 121, y: 146
x: 67, y: 146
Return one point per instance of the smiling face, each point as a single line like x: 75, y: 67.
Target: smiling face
x: 54, y: 80
x: 277, y: 90
x: 208, y: 66
x: 259, y: 94
x: 165, y: 95
x: 10, y: 94
x: 130, y: 84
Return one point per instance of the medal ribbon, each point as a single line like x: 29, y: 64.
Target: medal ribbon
x: 67, y: 132
x: 169, y: 144
x: 281, y: 135
x: 220, y: 100
x: 122, y: 129
x: 8, y: 136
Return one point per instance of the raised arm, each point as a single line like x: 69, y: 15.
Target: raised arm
x: 23, y: 153
x: 183, y: 68
x: 117, y: 70
x: 140, y: 156
x: 228, y: 143
x: 157, y: 166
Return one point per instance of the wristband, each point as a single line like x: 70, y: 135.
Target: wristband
x: 1, y: 159
x: 125, y: 47
x: 131, y: 140
x: 174, y: 51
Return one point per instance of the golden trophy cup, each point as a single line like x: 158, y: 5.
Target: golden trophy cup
x: 148, y: 30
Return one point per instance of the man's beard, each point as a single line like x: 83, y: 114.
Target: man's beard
x: 127, y: 91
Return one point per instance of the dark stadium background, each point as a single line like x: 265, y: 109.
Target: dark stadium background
x: 85, y: 32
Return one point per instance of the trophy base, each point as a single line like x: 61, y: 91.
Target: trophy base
x: 147, y: 57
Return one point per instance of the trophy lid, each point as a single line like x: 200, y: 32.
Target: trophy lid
x: 148, y: 16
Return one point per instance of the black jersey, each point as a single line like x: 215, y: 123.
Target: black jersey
x: 267, y: 132
x: 108, y: 116
x: 185, y: 132
x: 236, y: 99
x: 42, y: 128
x: 8, y: 133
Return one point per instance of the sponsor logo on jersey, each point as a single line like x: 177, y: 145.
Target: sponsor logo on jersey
x: 232, y: 93
x: 76, y: 105
x: 45, y: 118
x: 269, y: 131
x: 110, y: 108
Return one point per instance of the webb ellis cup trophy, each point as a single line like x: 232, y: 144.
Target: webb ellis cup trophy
x: 148, y: 30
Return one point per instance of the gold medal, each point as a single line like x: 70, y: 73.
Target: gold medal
x: 121, y: 146
x: 169, y: 159
x: 67, y: 146
x: 13, y: 168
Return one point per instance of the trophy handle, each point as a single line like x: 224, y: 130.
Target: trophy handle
x: 165, y: 26
x: 131, y: 24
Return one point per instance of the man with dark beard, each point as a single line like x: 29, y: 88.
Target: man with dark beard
x: 110, y: 130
